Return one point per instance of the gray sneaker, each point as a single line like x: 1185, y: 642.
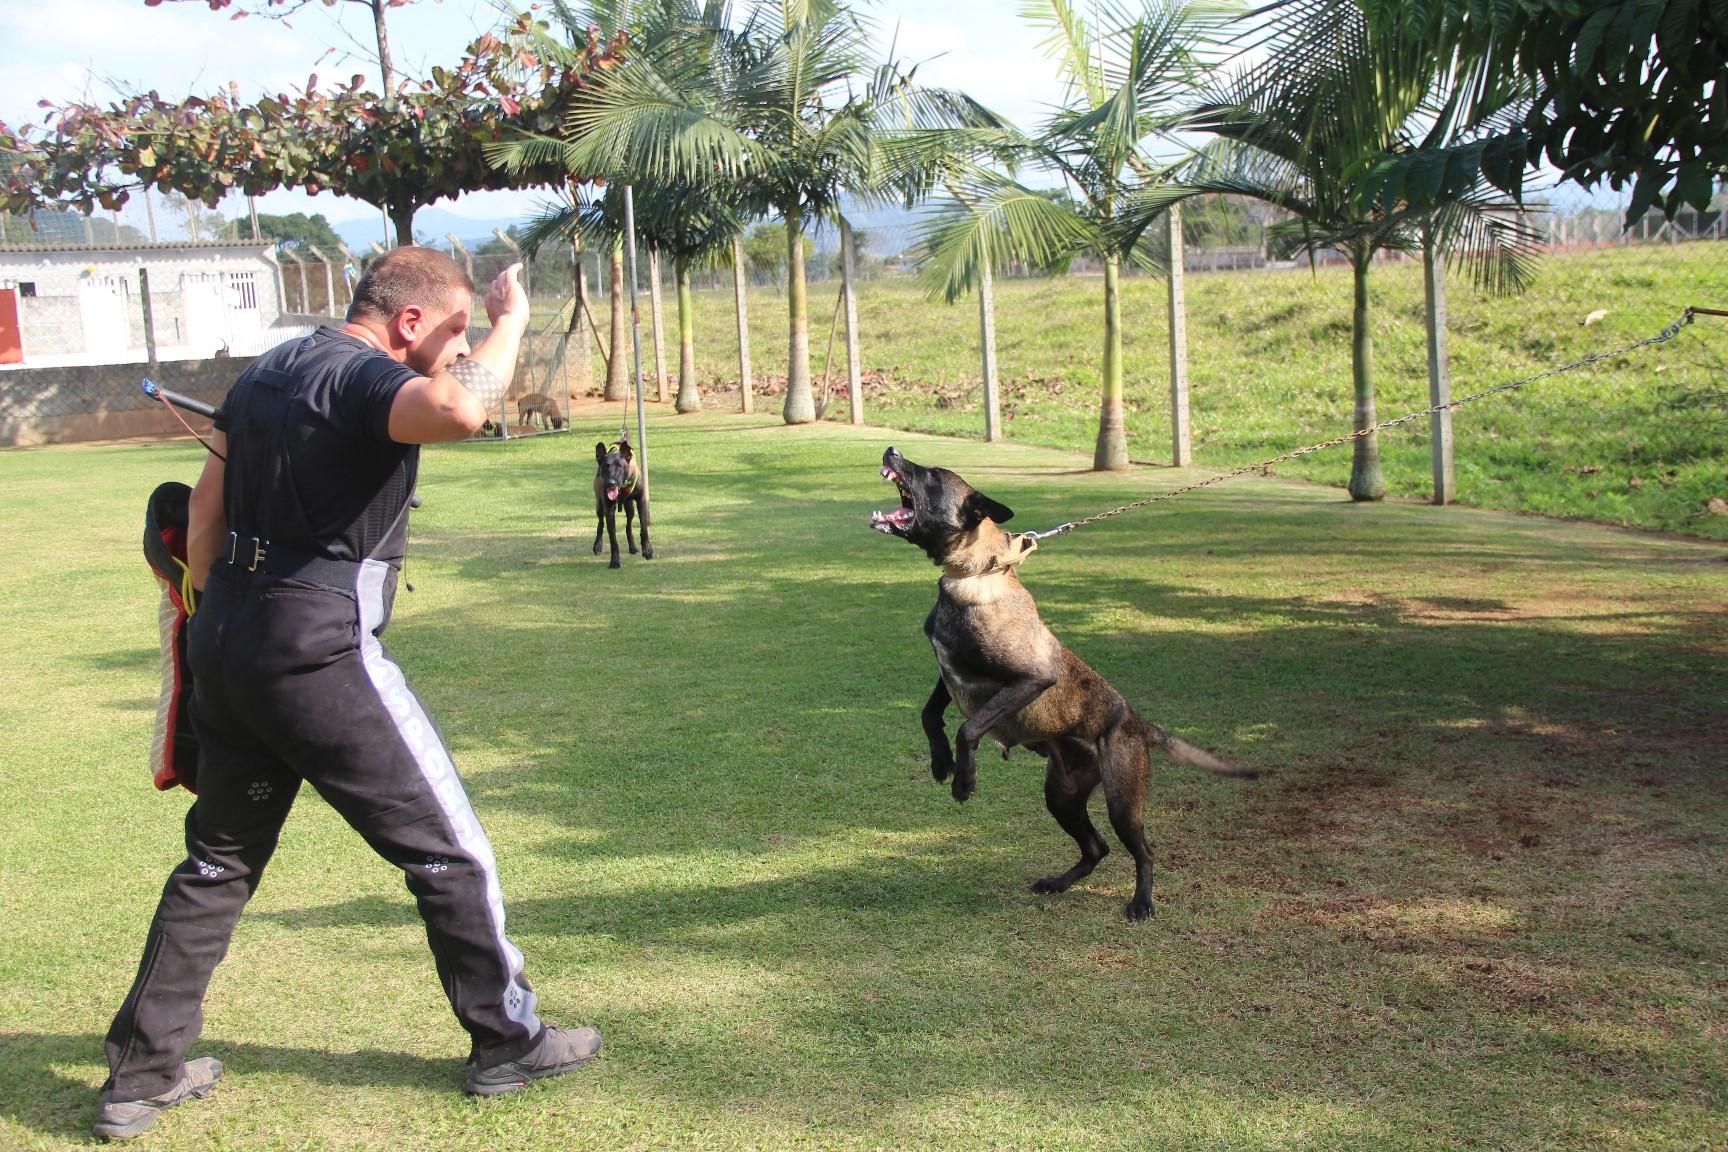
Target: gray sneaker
x: 560, y: 1050
x: 124, y: 1119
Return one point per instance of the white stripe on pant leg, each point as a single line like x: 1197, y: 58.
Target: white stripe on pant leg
x: 439, y: 772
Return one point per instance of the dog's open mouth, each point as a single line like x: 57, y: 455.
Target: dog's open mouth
x: 900, y: 519
x: 612, y: 491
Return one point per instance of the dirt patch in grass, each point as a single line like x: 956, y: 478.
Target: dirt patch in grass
x: 1331, y: 799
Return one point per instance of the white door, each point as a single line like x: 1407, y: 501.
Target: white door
x: 206, y: 314
x: 102, y: 305
x: 245, y: 318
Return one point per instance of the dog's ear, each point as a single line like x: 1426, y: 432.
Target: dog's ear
x: 980, y: 507
x: 624, y: 450
x: 600, y: 451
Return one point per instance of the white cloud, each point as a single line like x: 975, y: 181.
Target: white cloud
x: 73, y: 49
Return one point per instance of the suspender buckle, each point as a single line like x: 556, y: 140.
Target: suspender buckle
x: 257, y: 554
x: 233, y: 546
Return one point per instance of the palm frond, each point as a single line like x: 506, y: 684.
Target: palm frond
x: 1071, y: 43
x: 993, y: 218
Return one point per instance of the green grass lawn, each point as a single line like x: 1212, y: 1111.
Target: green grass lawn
x: 1640, y: 440
x: 1477, y: 901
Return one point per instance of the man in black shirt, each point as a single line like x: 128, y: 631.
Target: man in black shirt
x: 300, y: 521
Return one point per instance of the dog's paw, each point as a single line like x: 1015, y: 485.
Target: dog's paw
x: 615, y: 563
x: 647, y: 552
x: 941, y: 765
x: 1050, y: 884
x: 597, y: 548
x: 964, y: 786
x: 1139, y: 909
x: 632, y: 549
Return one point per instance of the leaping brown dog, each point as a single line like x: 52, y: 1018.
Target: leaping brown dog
x: 1016, y: 683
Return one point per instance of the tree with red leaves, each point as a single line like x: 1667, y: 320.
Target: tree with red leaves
x: 399, y: 154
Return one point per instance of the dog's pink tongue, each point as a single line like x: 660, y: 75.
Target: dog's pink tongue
x: 612, y: 492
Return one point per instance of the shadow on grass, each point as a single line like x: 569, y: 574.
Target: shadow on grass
x: 123, y: 660
x: 658, y: 904
x: 36, y: 1094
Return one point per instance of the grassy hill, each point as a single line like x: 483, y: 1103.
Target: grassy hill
x: 1640, y: 440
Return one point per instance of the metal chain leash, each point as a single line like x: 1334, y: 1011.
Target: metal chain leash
x: 1661, y: 337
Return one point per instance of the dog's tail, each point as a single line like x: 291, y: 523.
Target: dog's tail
x: 1180, y: 750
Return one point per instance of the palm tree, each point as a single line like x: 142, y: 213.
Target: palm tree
x: 1338, y: 93
x: 1128, y: 77
x: 784, y: 106
x: 692, y: 226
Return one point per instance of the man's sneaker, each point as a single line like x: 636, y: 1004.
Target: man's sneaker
x: 124, y: 1119
x: 560, y: 1050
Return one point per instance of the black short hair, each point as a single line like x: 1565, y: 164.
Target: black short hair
x: 408, y: 276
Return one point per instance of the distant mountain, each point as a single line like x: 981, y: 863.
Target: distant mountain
x: 430, y: 223
x: 888, y: 229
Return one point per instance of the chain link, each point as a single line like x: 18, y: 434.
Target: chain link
x: 1661, y: 337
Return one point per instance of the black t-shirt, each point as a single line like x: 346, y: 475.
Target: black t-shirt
x: 350, y: 481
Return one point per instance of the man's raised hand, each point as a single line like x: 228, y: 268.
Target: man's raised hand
x: 505, y: 298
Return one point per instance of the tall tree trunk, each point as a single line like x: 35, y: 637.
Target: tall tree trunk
x: 689, y: 398
x: 1366, y: 482
x: 618, y: 369
x: 402, y: 219
x: 659, y: 324
x: 1112, y: 451
x: 744, y: 383
x: 800, y: 404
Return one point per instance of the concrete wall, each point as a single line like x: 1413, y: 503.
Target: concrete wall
x: 53, y: 323
x: 104, y: 401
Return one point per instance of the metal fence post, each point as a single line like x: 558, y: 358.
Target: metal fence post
x: 460, y: 250
x: 271, y: 255
x: 744, y: 388
x: 329, y: 281
x: 1439, y: 372
x: 659, y: 322
x: 854, y: 365
x: 351, y: 262
x: 305, y: 294
x: 581, y: 327
x: 635, y: 335
x: 987, y: 337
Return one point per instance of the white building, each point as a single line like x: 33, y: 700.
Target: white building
x: 66, y: 304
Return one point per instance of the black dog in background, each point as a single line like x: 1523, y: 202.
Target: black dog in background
x: 619, y: 482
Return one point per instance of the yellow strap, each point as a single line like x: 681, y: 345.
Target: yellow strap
x: 188, y: 594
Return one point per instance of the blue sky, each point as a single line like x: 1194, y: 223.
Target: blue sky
x: 72, y: 49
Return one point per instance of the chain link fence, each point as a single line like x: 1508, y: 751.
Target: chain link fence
x: 81, y: 290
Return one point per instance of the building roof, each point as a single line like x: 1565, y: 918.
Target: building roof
x: 166, y: 246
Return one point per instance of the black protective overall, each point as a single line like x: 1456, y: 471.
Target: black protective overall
x: 292, y: 684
